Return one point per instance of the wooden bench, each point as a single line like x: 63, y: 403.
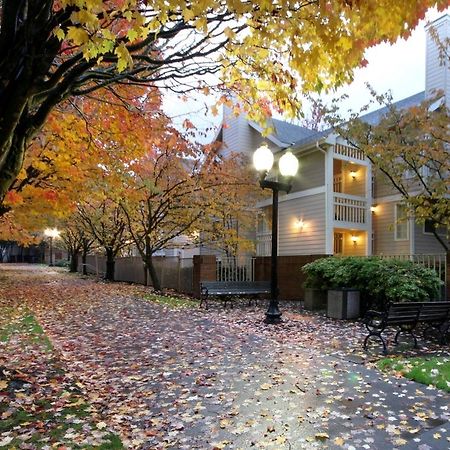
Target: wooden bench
x: 229, y: 289
x: 406, y: 316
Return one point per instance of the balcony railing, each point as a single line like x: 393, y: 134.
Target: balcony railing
x: 264, y: 243
x: 349, y: 152
x: 350, y: 209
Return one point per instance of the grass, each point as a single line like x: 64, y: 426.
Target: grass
x: 25, y: 325
x: 433, y: 371
x: 171, y: 302
x: 37, y: 405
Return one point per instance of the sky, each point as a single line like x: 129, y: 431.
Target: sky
x: 399, y: 68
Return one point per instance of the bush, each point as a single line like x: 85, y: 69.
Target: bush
x: 62, y: 263
x: 379, y: 280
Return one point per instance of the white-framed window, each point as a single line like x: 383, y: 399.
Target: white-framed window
x: 428, y: 226
x: 401, y: 222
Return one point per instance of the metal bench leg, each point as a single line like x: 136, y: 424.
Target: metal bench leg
x: 379, y: 336
x: 405, y: 330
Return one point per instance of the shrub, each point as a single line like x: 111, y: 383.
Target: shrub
x: 379, y: 280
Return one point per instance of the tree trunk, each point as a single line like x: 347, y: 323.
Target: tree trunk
x: 110, y: 265
x: 73, y: 267
x: 152, y: 271
x: 83, y: 261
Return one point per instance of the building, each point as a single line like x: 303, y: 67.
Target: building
x: 337, y: 204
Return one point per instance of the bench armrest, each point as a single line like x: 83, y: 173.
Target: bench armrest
x: 372, y: 315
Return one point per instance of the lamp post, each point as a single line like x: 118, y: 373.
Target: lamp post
x: 51, y: 233
x: 288, y: 165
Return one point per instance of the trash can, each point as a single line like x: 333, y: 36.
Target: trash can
x: 343, y: 303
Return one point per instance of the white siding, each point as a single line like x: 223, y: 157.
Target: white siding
x: 384, y: 231
x: 311, y: 172
x: 426, y: 244
x: 437, y: 74
x: 238, y: 135
x: 310, y: 240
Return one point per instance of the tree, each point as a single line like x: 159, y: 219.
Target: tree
x: 53, y: 50
x: 410, y: 148
x: 104, y: 218
x: 76, y: 240
x: 179, y: 190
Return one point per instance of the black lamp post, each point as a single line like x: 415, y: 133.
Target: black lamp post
x: 51, y: 233
x: 288, y: 166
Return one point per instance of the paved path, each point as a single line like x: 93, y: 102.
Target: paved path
x: 192, y: 379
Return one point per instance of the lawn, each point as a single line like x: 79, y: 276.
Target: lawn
x: 39, y: 405
x: 433, y: 371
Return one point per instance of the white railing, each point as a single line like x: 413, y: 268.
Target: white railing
x: 350, y: 208
x: 264, y: 244
x: 337, y: 183
x: 349, y: 152
x: 240, y: 268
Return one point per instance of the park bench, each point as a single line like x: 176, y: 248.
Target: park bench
x: 228, y: 289
x: 406, y: 316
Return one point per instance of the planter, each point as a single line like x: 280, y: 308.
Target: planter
x: 315, y: 299
x: 343, y: 304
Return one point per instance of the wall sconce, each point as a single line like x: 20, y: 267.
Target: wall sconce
x: 299, y: 224
x: 353, y: 174
x: 354, y: 239
x: 374, y: 208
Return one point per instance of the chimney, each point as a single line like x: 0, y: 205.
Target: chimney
x: 437, y: 71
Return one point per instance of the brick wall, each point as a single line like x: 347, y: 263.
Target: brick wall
x: 290, y: 277
x: 204, y: 270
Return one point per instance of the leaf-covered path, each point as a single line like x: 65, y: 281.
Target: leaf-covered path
x: 194, y: 379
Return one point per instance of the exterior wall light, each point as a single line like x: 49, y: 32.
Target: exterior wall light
x: 354, y: 239
x: 353, y: 174
x: 299, y: 224
x: 374, y: 208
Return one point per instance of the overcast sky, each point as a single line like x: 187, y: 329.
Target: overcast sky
x: 399, y: 68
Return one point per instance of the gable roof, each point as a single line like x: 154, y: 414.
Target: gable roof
x: 371, y: 118
x: 289, y: 133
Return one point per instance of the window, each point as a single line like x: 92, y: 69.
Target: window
x: 338, y: 243
x: 401, y: 222
x: 428, y: 226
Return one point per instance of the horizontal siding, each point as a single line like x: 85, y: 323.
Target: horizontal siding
x: 349, y: 248
x: 357, y: 185
x: 426, y: 244
x: 437, y: 71
x: 309, y: 241
x: 311, y: 172
x: 383, y: 187
x: 383, y: 226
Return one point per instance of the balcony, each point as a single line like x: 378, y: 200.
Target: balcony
x: 349, y: 209
x: 264, y: 243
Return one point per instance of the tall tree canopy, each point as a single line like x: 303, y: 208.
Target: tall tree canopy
x: 51, y: 50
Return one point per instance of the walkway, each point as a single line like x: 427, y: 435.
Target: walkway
x: 192, y: 379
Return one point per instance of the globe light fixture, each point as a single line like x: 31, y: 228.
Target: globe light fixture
x: 263, y: 158
x: 288, y: 166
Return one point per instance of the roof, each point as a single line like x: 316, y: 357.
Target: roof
x: 371, y: 118
x: 289, y: 133
x: 374, y: 117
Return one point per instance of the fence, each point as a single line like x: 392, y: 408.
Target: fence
x: 173, y: 272
x: 241, y: 268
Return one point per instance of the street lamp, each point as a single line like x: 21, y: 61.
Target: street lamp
x: 288, y: 165
x: 51, y: 233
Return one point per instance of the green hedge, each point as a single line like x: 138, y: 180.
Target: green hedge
x: 379, y: 279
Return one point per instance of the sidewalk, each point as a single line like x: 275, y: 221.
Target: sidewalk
x: 193, y: 379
